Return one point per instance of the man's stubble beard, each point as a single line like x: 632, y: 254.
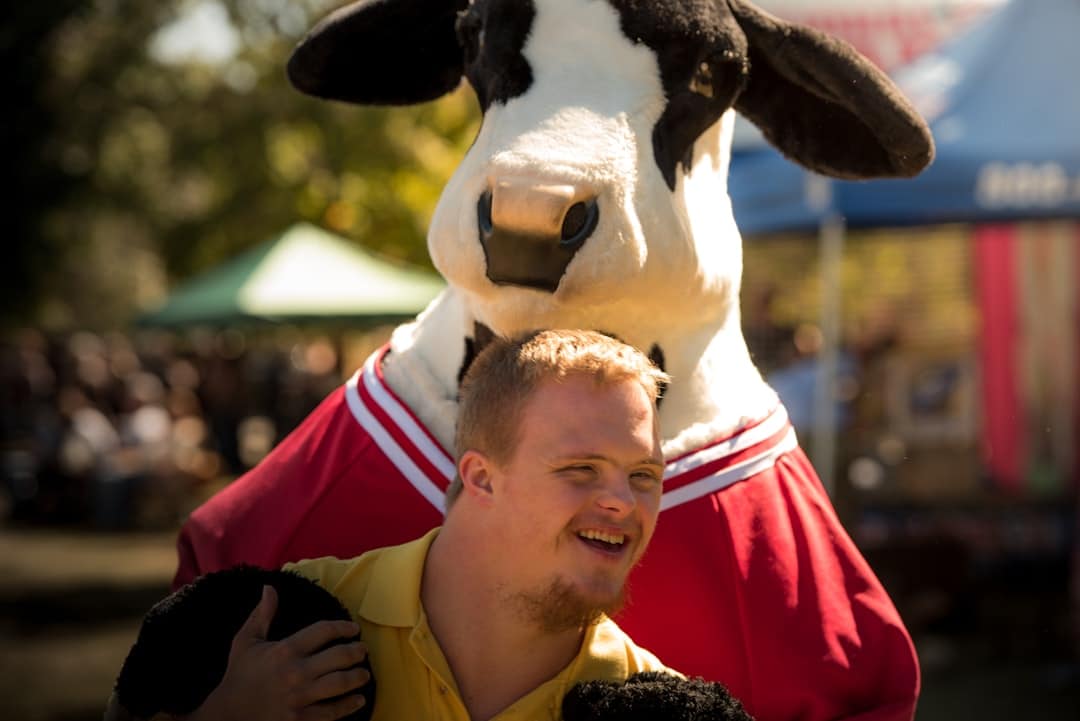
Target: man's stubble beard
x: 561, y: 607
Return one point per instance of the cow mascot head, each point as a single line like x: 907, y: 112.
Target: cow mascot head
x: 595, y: 194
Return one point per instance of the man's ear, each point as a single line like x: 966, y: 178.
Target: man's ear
x: 476, y: 471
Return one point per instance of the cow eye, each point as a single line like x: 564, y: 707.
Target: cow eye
x: 701, y: 83
x: 719, y: 74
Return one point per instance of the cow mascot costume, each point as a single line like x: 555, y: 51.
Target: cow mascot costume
x: 595, y: 196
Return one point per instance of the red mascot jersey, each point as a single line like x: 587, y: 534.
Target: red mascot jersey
x: 750, y: 579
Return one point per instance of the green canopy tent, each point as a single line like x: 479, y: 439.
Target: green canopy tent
x: 303, y: 275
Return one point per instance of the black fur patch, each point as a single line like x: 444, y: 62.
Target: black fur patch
x: 482, y: 335
x: 702, y: 56
x: 656, y: 355
x: 492, y: 34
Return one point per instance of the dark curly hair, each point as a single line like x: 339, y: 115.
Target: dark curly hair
x: 652, y: 696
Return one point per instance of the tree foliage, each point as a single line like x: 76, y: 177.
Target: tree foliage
x: 152, y: 168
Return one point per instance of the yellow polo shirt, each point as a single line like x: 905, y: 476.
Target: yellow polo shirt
x: 381, y: 589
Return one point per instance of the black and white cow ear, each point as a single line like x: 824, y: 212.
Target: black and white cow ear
x: 381, y: 52
x: 824, y: 105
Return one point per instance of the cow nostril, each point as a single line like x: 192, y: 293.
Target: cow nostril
x: 574, y: 220
x: 579, y: 223
x: 483, y: 212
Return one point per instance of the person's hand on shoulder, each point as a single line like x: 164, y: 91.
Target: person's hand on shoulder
x: 300, y: 677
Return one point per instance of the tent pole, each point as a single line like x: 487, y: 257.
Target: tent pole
x: 823, y: 444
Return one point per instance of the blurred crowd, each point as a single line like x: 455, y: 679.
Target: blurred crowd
x: 133, y: 430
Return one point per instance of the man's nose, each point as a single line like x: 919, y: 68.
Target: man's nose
x: 616, y: 495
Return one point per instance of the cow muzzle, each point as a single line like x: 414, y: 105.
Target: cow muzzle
x: 530, y: 231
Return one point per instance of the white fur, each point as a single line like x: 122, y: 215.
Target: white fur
x: 661, y: 268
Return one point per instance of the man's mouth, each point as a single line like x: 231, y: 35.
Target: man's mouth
x: 606, y: 541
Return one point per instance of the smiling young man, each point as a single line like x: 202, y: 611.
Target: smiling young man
x: 499, y: 612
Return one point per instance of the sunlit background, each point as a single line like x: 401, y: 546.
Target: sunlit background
x: 172, y: 199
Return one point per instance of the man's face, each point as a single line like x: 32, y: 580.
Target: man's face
x: 577, y: 501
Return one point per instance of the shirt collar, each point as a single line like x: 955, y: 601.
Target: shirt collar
x: 393, y: 598
x: 602, y: 655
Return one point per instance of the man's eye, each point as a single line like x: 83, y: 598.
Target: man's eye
x: 646, y: 478
x: 577, y: 471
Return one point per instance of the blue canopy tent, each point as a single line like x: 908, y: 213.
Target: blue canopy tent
x: 1003, y: 103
